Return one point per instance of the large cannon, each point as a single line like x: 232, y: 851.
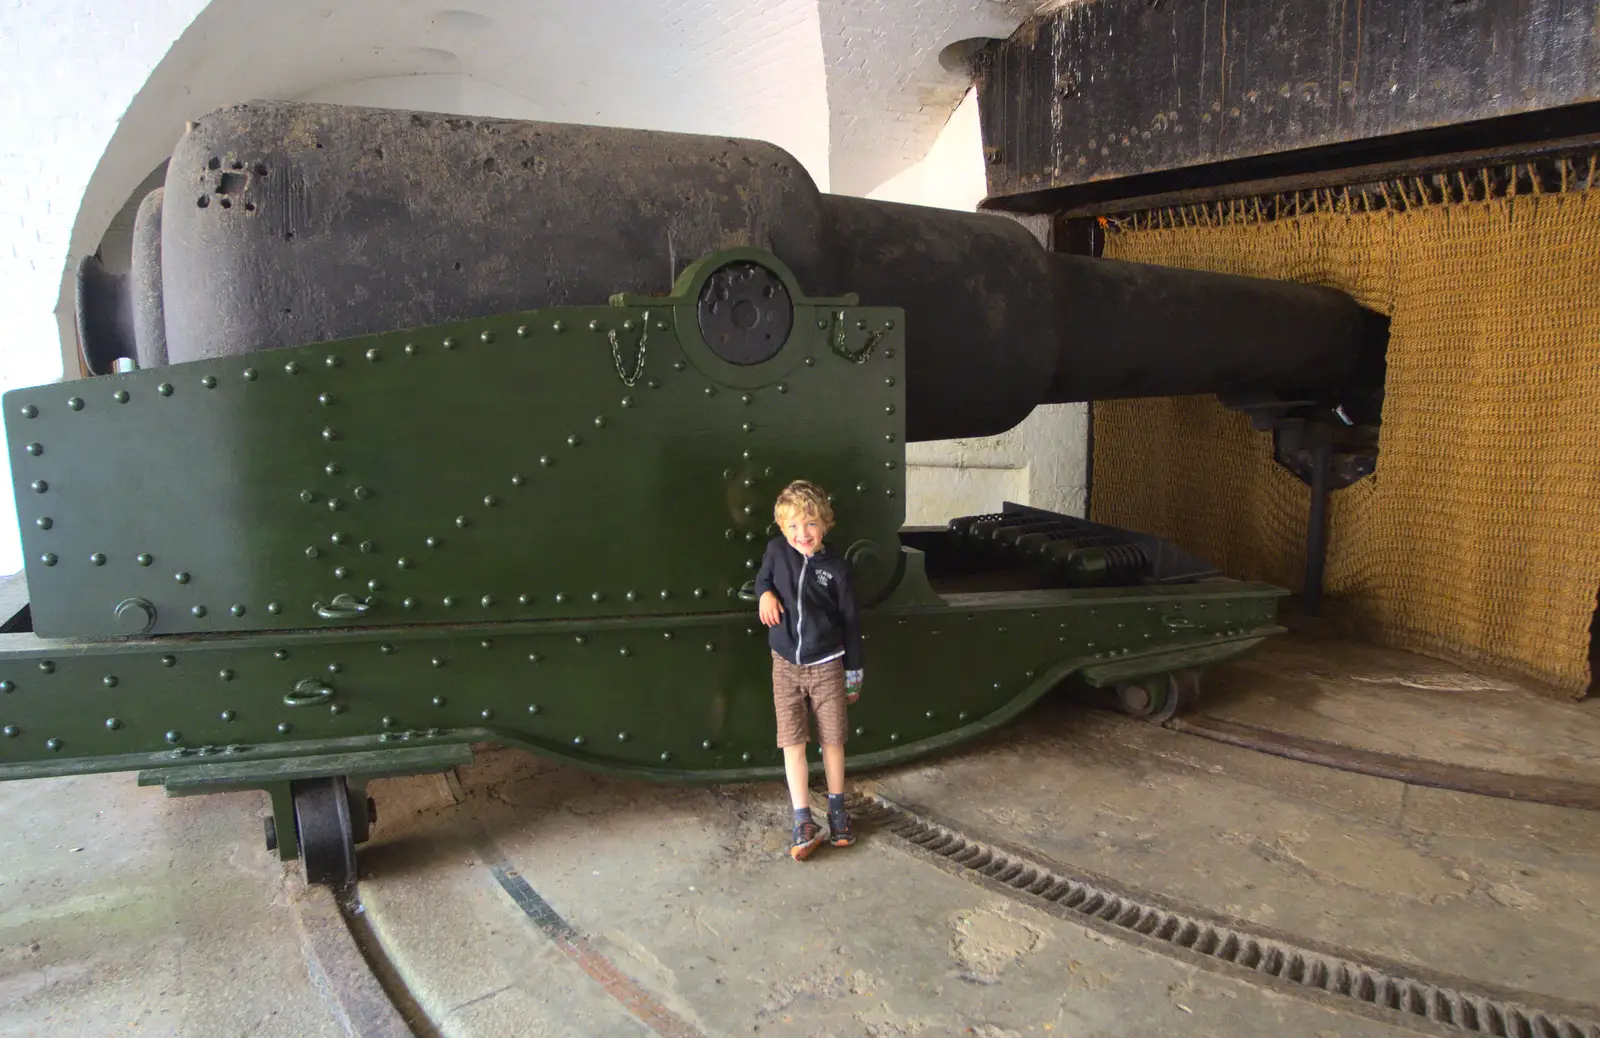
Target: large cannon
x: 420, y: 431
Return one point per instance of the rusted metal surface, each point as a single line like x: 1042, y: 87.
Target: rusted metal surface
x: 1119, y: 88
x: 1400, y: 768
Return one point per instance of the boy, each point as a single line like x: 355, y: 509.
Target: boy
x: 809, y: 606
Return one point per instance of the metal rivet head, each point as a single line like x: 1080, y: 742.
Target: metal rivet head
x: 198, y: 610
x: 652, y: 384
x: 573, y: 441
x: 274, y: 608
x: 55, y: 744
x: 402, y: 562
x: 489, y: 500
x: 411, y: 349
x: 462, y: 522
x: 523, y: 331
x: 11, y: 731
x: 711, y: 391
x: 888, y: 409
x: 169, y: 661
x: 109, y: 681
x: 341, y: 572
x: 962, y: 716
x: 432, y: 542
x: 225, y: 674
x: 35, y: 449
x: 292, y: 368
x: 438, y: 661
x: 284, y: 727
x: 582, y: 639
x: 517, y: 481
x: 561, y: 596
x: 600, y: 421
x: 888, y: 492
x: 665, y: 594
x: 374, y: 585
x: 362, y: 493
x: 811, y: 362
x: 624, y: 651
x: 48, y: 558
x: 181, y: 577
x: 367, y: 547
x: 387, y: 722
x: 533, y: 708
x: 44, y: 522
x: 250, y: 374
x: 449, y: 601
x: 386, y: 649
x: 334, y: 504
x: 210, y: 382
x: 40, y: 486
x: 749, y: 427
x: 487, y: 714
x: 75, y: 403
x: 374, y: 354
x: 165, y: 389
x: 545, y: 460
x: 308, y: 496
x: 29, y: 411
x: 329, y: 434
x: 325, y: 399
x: 487, y: 601
x: 336, y: 537
x: 8, y: 686
x: 631, y: 596
x: 486, y: 336
x: 280, y: 654
x: 595, y: 596
x: 678, y: 365
x: 438, y: 700
x: 523, y: 600
x: 558, y: 326
x: 699, y: 592
x: 237, y: 610
x: 894, y: 736
x: 711, y: 647
x: 332, y: 361
x: 888, y: 437
x: 666, y: 755
x: 113, y: 724
x: 144, y: 558
x: 705, y: 744
x: 596, y: 326
x: 534, y: 657
x: 174, y: 736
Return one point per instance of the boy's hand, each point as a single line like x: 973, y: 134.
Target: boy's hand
x: 852, y: 685
x: 771, y: 609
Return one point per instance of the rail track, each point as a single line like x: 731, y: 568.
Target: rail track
x: 368, y: 998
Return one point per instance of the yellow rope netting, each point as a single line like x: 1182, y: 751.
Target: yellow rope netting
x: 1479, y: 536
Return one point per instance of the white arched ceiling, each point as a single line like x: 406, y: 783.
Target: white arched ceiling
x: 888, y: 95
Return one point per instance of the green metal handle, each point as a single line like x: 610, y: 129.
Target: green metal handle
x: 343, y: 607
x: 307, y: 691
x: 747, y: 592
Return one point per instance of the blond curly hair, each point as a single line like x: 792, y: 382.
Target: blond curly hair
x: 803, y: 498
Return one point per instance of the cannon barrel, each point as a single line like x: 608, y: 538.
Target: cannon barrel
x: 288, y: 223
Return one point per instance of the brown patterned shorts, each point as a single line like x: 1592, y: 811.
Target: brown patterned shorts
x: 820, y: 685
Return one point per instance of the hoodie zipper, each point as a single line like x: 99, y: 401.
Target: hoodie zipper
x: 800, y: 607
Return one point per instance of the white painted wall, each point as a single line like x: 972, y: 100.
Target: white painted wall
x: 1043, y: 461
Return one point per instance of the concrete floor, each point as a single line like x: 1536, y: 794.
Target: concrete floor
x: 122, y: 913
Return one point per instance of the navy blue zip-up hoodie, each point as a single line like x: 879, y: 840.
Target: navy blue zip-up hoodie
x: 820, y: 619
